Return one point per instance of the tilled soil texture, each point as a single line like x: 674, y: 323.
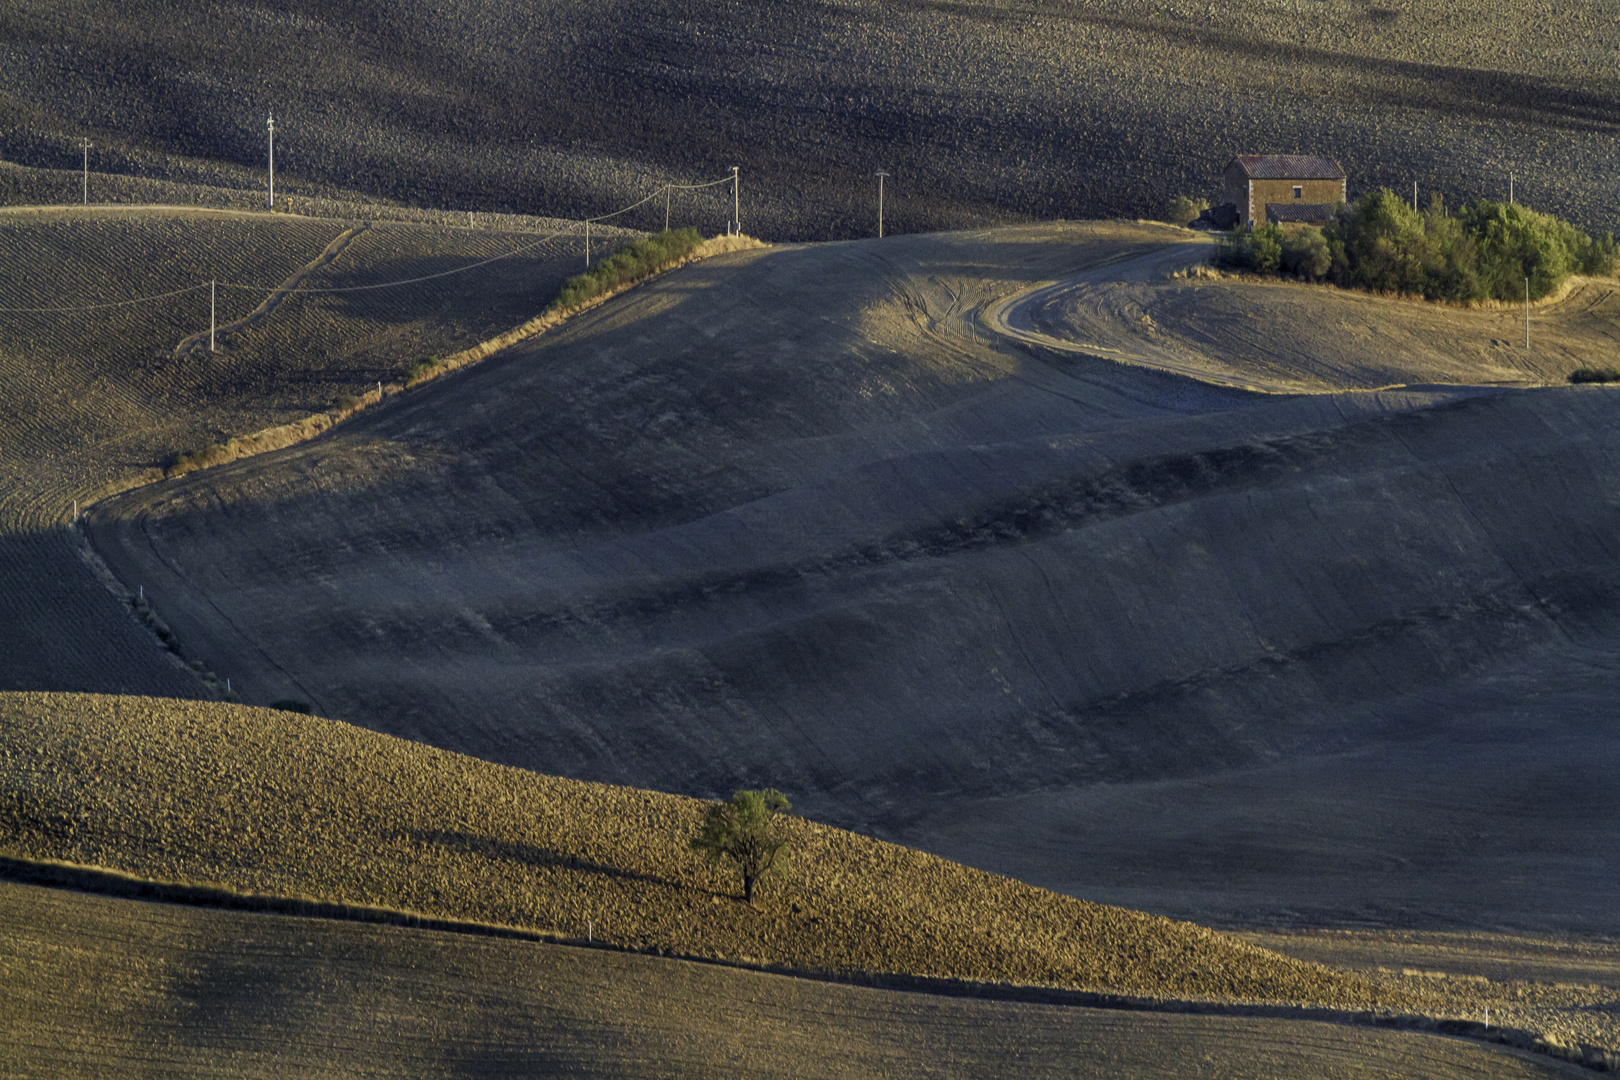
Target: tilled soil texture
x: 1567, y: 987
x: 981, y: 110
x: 797, y: 518
x: 273, y: 802
x: 93, y: 985
x: 95, y: 400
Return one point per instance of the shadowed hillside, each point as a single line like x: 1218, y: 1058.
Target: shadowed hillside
x: 981, y: 111
x: 790, y: 517
x: 96, y: 400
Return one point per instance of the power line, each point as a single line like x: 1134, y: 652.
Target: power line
x: 100, y: 307
x: 572, y: 227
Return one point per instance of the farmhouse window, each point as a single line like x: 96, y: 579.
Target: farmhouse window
x: 1299, y: 192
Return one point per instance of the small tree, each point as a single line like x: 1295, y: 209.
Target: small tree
x: 1182, y: 210
x: 746, y: 832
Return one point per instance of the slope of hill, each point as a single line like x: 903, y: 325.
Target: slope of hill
x: 94, y: 400
x: 271, y: 802
x: 91, y: 985
x: 982, y: 111
x: 793, y: 517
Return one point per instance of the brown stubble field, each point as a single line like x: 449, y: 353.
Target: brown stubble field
x: 984, y: 112
x: 96, y: 401
x: 796, y: 517
x: 92, y: 984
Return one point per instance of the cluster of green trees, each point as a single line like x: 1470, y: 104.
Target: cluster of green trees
x: 628, y: 265
x: 1482, y: 252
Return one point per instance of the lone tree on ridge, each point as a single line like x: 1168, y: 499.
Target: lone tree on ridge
x: 745, y: 831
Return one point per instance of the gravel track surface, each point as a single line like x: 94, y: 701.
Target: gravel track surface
x: 91, y: 985
x: 794, y: 517
x: 983, y: 111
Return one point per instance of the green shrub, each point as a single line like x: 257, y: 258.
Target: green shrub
x: 1594, y: 375
x: 1249, y: 248
x: 627, y: 265
x: 1306, y: 254
x: 1486, y: 251
x: 1183, y: 210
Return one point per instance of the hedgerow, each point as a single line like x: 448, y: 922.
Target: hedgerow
x: 1483, y: 252
x: 628, y: 265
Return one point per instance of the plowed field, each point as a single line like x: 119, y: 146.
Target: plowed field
x: 94, y: 400
x: 795, y: 517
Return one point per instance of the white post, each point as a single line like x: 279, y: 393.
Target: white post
x: 736, y: 201
x: 86, y: 171
x: 590, y: 930
x: 1510, y: 189
x: 1414, y: 196
x: 272, y: 203
x: 587, y: 243
x: 666, y: 208
x: 880, y: 174
x: 213, y: 288
x: 1527, y: 313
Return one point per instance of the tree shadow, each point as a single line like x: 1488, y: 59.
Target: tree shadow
x: 542, y: 858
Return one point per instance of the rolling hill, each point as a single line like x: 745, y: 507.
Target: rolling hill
x: 96, y: 400
x: 794, y: 517
x: 92, y: 985
x: 983, y: 111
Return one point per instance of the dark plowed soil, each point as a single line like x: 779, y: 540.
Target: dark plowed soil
x: 981, y: 111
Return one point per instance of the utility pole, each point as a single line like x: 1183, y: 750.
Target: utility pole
x: 736, y: 201
x: 666, y: 208
x: 86, y: 143
x: 272, y: 203
x: 587, y: 243
x: 1414, y: 196
x: 1527, y: 313
x: 880, y: 174
x: 213, y: 290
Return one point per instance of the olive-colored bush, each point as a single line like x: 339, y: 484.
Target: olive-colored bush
x: 1488, y: 251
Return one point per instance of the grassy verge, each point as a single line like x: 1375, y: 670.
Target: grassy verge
x: 631, y: 263
x: 253, y: 801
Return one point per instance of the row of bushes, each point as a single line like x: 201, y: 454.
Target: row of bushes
x: 628, y: 265
x: 1483, y: 252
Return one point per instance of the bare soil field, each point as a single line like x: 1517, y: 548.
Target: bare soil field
x: 1568, y: 986
x: 1283, y: 336
x: 91, y: 985
x: 983, y: 111
x: 93, y: 401
x: 798, y: 517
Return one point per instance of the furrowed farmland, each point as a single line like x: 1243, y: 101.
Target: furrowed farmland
x: 95, y: 400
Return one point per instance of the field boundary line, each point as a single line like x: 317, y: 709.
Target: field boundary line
x: 281, y: 436
x: 279, y: 295
x: 104, y: 881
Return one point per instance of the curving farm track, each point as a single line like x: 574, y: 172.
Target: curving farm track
x: 795, y: 517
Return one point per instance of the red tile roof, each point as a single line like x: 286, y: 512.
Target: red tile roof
x: 1288, y: 167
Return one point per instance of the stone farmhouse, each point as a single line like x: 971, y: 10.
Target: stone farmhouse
x: 1285, y: 188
